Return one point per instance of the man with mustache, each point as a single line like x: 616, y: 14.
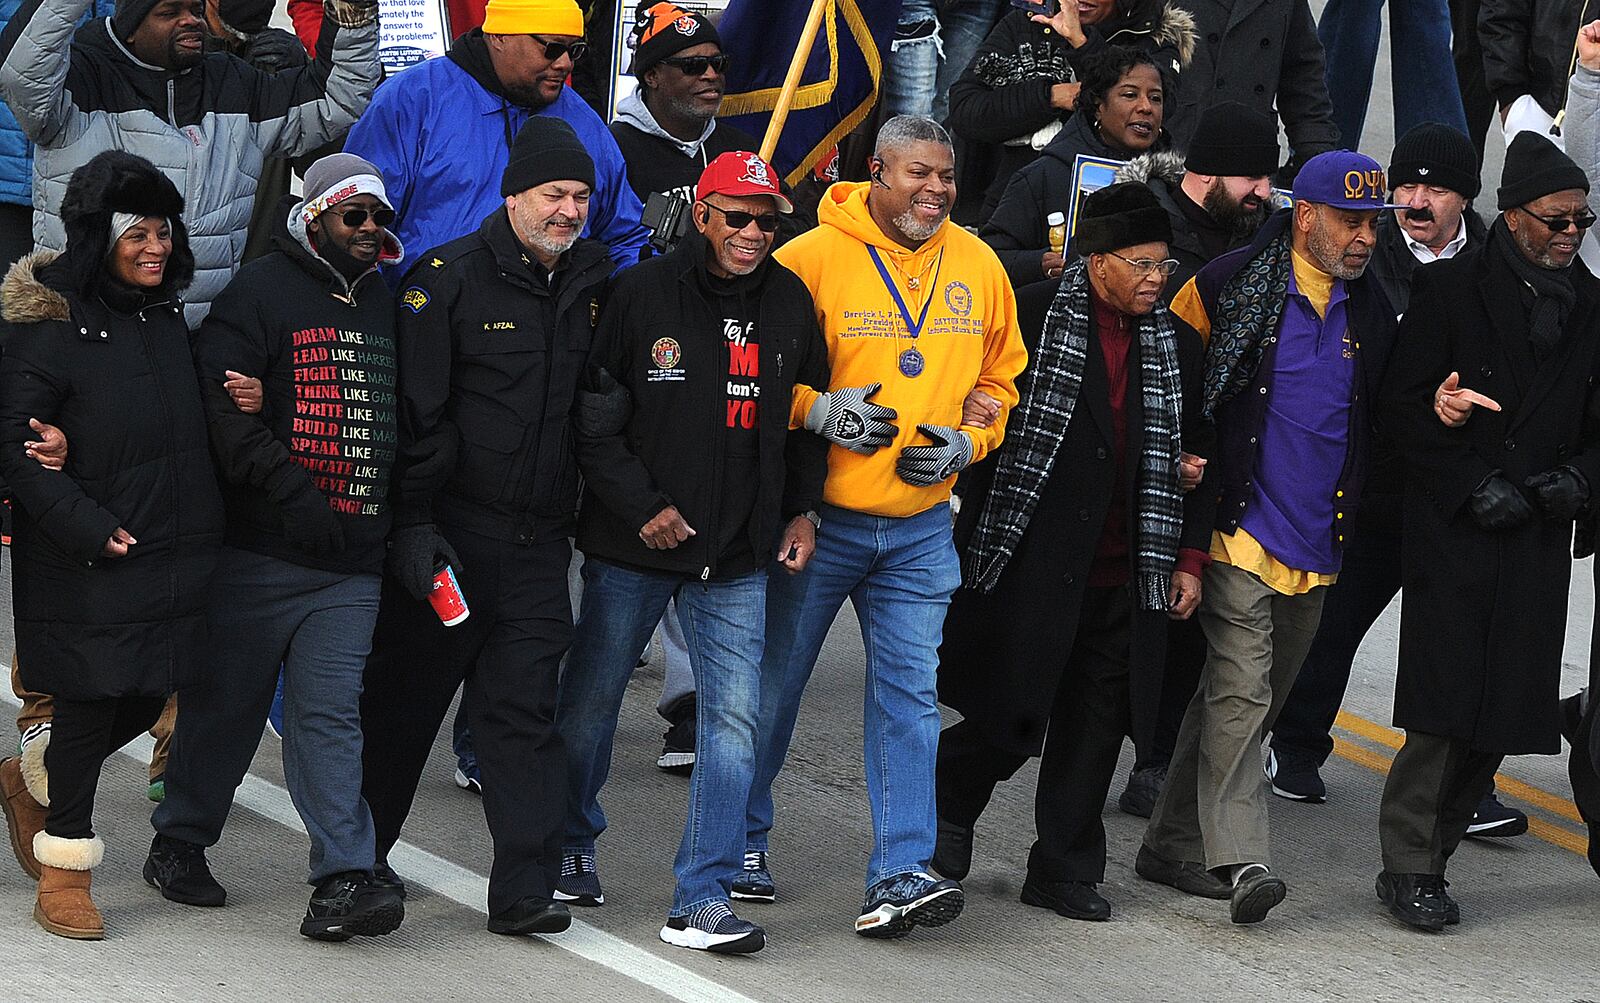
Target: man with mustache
x: 1434, y: 171
x: 494, y: 328
x: 141, y: 81
x: 918, y: 313
x: 1297, y: 338
x: 1489, y: 510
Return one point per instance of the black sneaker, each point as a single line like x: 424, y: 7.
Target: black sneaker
x: 349, y: 905
x: 178, y: 868
x: 531, y: 915
x: 895, y: 905
x: 952, y: 851
x: 714, y: 928
x: 754, y: 883
x: 1294, y: 775
x: 1417, y: 900
x: 383, y: 876
x: 1144, y: 788
x: 1072, y: 899
x: 677, y: 747
x: 579, y: 882
x: 1493, y: 819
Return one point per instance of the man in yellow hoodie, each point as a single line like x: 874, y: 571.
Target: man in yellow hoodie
x: 917, y: 314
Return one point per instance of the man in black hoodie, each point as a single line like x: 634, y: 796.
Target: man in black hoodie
x: 306, y: 485
x: 692, y: 496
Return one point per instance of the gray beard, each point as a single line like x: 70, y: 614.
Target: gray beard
x: 908, y: 225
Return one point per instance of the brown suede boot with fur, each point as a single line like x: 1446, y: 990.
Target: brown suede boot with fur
x: 64, y: 906
x: 24, y: 816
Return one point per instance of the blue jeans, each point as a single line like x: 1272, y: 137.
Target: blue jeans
x: 318, y: 625
x: 723, y: 626
x: 924, y: 63
x: 1422, y: 68
x: 899, y: 575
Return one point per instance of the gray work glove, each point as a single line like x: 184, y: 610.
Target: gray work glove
x: 603, y: 407
x: 412, y: 554
x: 847, y: 417
x: 924, y: 465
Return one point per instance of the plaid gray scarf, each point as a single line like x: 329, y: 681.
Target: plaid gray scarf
x: 1036, y: 428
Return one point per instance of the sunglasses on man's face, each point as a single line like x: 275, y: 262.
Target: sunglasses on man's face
x: 695, y: 66
x: 354, y: 218
x: 1561, y: 224
x: 737, y: 219
x: 555, y: 50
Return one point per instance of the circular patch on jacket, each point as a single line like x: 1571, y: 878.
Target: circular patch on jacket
x: 958, y: 298
x: 666, y: 353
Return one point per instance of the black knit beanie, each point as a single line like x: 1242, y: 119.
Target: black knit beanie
x: 665, y: 29
x: 1233, y: 140
x: 247, y: 17
x: 125, y: 20
x: 546, y: 149
x: 1435, y: 154
x: 1535, y: 167
x: 1120, y: 215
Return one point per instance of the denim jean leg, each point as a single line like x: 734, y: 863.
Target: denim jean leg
x: 901, y: 605
x: 800, y: 609
x: 912, y: 72
x: 620, y: 609
x: 1424, y: 73
x: 963, y: 25
x: 1350, y: 30
x: 322, y: 701
x: 723, y: 626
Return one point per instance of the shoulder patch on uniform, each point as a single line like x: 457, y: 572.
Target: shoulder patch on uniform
x: 415, y: 298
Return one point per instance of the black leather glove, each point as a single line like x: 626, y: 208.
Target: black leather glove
x: 413, y: 551
x: 1497, y: 504
x: 1561, y: 493
x: 272, y: 49
x: 310, y: 525
x: 603, y: 406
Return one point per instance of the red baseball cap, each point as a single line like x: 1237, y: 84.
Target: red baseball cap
x: 739, y: 173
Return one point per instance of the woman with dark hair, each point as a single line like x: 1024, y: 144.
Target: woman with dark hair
x: 111, y: 555
x: 1023, y: 85
x: 1120, y: 116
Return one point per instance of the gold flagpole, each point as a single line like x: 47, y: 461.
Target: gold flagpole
x: 791, y: 82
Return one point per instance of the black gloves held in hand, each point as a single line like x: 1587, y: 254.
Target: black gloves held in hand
x: 1561, y: 493
x: 412, y: 554
x: 1497, y: 504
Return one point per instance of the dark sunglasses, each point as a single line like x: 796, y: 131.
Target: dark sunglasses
x: 1560, y: 224
x: 356, y: 217
x: 555, y: 50
x: 695, y: 66
x: 767, y: 222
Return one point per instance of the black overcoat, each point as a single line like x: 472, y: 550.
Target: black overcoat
x: 1004, y: 652
x: 1484, y: 614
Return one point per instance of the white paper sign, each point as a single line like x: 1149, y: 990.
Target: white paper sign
x: 410, y: 31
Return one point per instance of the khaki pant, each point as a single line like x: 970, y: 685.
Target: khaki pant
x: 38, y: 707
x: 1433, y: 789
x: 1213, y: 808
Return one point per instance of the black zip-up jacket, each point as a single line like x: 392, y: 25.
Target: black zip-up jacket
x: 490, y: 357
x: 1529, y: 47
x: 662, y: 339
x: 324, y: 350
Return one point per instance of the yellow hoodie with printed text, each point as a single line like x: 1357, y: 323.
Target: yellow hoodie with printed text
x: 969, y: 340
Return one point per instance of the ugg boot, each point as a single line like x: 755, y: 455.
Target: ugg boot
x: 64, y: 907
x: 24, y: 815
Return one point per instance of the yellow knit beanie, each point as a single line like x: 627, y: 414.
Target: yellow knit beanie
x: 533, y: 17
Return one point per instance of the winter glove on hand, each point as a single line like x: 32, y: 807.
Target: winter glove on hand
x: 273, y: 49
x: 1561, y: 493
x: 351, y: 13
x: 603, y: 406
x: 847, y: 417
x: 925, y: 465
x: 310, y: 525
x: 1497, y: 504
x: 412, y: 553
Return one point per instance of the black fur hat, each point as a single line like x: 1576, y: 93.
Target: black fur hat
x: 115, y: 181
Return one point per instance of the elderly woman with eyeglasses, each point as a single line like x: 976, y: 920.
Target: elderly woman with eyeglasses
x: 1076, y: 549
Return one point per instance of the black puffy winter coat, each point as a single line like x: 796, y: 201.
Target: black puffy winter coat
x: 121, y: 386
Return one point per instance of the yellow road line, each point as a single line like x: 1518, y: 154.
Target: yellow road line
x: 1551, y: 803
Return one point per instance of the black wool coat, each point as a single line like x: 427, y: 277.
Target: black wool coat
x: 1004, y: 652
x: 122, y: 387
x: 1484, y: 617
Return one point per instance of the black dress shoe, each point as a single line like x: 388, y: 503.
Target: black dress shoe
x: 1188, y: 876
x: 531, y: 915
x: 1072, y: 899
x: 952, y: 853
x: 1255, y: 894
x: 1417, y: 900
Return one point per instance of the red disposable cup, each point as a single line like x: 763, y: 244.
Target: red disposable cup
x: 445, y: 596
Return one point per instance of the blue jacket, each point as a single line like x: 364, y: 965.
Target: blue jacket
x: 16, y: 153
x: 441, y: 139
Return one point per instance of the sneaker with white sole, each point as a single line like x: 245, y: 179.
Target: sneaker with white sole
x: 579, y: 883
x: 714, y: 928
x: 1493, y: 819
x: 1294, y: 776
x: 895, y: 905
x: 753, y: 883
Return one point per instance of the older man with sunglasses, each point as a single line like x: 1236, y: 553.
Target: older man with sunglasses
x: 442, y: 131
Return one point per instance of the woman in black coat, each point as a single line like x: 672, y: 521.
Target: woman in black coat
x: 1121, y: 116
x: 113, y: 554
